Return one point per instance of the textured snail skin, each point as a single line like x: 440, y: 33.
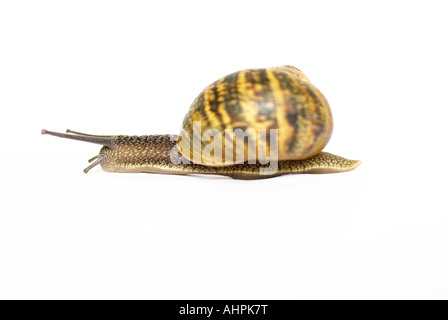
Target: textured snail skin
x: 279, y: 98
x: 151, y: 154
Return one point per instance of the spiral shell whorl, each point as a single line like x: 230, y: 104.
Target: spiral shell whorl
x: 276, y: 98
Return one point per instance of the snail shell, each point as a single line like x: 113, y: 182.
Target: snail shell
x: 279, y: 98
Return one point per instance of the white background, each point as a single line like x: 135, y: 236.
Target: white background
x: 134, y: 67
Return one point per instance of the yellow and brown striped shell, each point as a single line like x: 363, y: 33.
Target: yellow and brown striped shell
x: 275, y: 98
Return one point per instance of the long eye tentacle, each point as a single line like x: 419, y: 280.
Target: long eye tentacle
x: 102, y: 140
x: 87, y: 135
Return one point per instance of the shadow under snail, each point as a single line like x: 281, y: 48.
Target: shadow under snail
x: 251, y: 124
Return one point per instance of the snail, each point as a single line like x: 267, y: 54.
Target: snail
x: 251, y: 124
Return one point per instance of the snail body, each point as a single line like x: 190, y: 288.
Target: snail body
x: 251, y: 124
